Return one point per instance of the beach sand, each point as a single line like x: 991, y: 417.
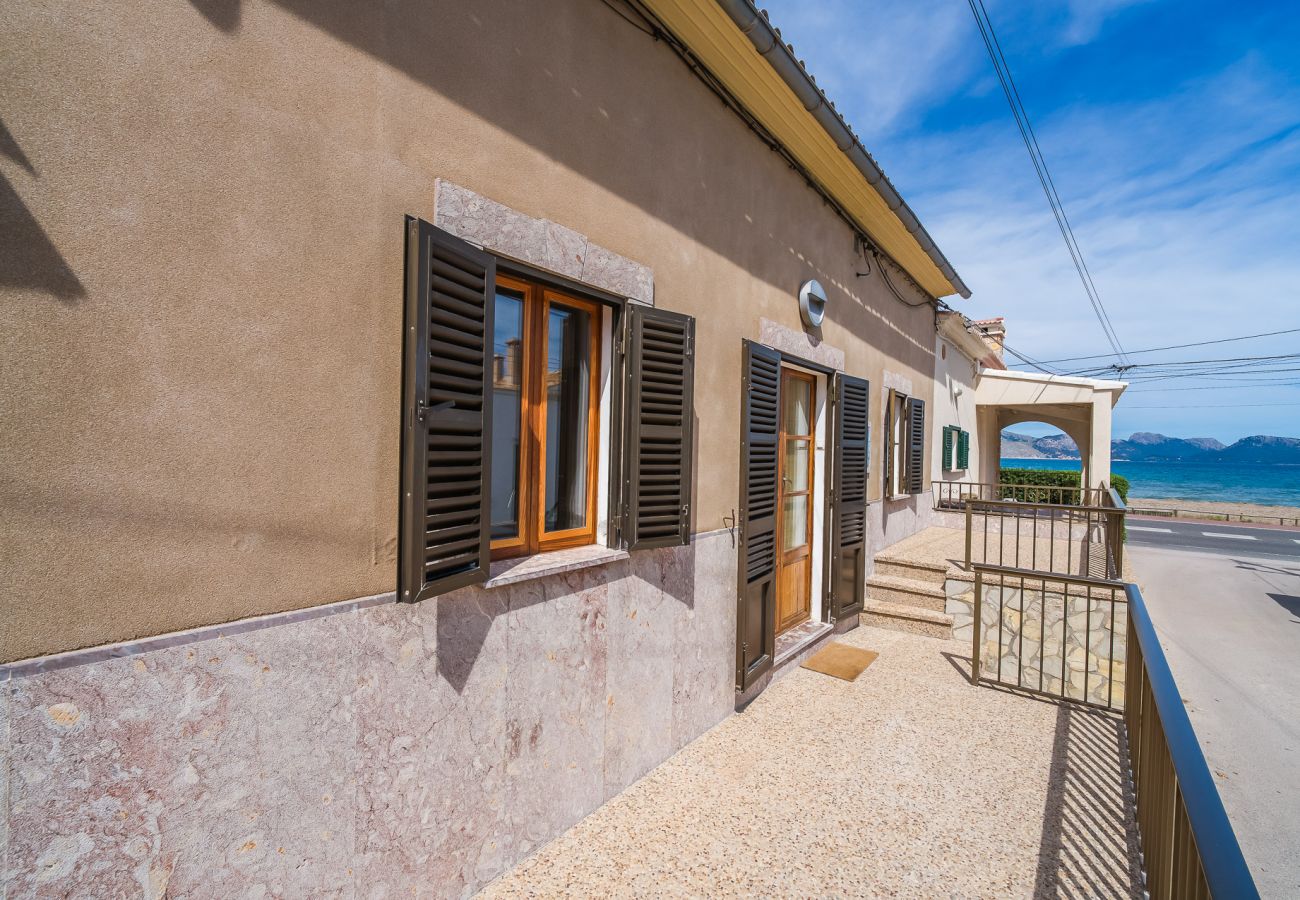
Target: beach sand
x: 1186, y: 508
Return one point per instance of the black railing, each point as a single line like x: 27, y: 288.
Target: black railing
x: 1188, y: 846
x: 954, y: 494
x: 1046, y: 537
x: 1091, y: 641
x: 1060, y: 636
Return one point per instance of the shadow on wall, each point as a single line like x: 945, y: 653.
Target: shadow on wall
x: 1089, y: 844
x: 30, y: 259
x: 574, y: 108
x: 467, y: 616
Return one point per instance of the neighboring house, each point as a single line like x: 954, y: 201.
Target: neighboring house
x: 976, y: 396
x: 494, y: 308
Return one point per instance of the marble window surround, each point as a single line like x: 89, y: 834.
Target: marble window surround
x: 539, y: 242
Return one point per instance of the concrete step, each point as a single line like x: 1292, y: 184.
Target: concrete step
x: 896, y: 567
x: 911, y: 619
x: 889, y: 589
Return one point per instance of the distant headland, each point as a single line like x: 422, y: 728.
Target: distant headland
x: 1146, y: 446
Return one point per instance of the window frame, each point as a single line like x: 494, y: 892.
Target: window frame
x: 532, y: 537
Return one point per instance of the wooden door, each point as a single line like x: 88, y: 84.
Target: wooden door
x: 794, y: 503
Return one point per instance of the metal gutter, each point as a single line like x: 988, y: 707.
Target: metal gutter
x: 782, y: 59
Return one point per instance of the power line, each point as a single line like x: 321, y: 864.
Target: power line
x: 1030, y: 139
x: 1254, y: 386
x: 1244, y: 337
x: 1218, y: 406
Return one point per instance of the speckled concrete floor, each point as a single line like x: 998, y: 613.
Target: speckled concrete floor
x: 909, y: 782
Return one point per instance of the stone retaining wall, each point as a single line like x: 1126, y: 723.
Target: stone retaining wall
x: 1091, y: 634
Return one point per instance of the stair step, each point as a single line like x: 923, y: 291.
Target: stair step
x: 911, y: 619
x: 906, y: 591
x: 895, y: 567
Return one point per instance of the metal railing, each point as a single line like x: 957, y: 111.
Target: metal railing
x: 954, y: 494
x: 1174, y: 513
x: 1188, y: 846
x: 1047, y: 537
x: 1060, y: 636
x: 1091, y: 641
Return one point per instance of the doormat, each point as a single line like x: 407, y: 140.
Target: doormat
x: 840, y: 660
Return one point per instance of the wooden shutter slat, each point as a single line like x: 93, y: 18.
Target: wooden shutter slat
x: 850, y: 417
x: 659, y: 347
x: 916, y: 446
x: 756, y: 590
x: 447, y: 414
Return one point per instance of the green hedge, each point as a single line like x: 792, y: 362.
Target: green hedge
x: 1020, y: 484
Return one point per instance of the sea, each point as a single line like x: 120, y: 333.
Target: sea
x: 1274, y: 485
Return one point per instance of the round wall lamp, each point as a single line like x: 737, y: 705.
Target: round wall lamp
x: 812, y: 303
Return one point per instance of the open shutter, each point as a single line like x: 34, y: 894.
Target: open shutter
x: 447, y: 413
x: 849, y: 495
x: 963, y: 450
x: 947, y: 447
x: 660, y: 348
x: 759, y: 424
x: 887, y: 448
x: 916, y: 446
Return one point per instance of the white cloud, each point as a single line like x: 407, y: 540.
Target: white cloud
x: 1185, y: 205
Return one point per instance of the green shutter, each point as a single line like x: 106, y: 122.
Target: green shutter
x: 850, y: 413
x: 657, y: 442
x: 963, y: 450
x: 947, y: 447
x: 759, y: 433
x: 446, y: 413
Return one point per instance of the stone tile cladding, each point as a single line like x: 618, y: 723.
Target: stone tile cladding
x: 539, y: 241
x: 388, y: 750
x: 1082, y: 636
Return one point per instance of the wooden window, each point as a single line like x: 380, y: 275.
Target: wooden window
x: 546, y: 409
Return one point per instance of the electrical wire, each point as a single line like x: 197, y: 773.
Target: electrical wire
x: 1244, y: 337
x: 1030, y: 139
x: 1218, y: 406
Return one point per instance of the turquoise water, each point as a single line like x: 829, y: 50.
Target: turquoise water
x: 1277, y: 485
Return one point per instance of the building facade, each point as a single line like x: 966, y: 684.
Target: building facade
x: 413, y: 431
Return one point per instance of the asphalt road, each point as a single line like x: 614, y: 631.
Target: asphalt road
x: 1213, y: 537
x: 1228, y: 617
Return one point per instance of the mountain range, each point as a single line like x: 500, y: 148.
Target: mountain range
x: 1146, y: 446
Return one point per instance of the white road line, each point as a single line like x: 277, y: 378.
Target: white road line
x: 1297, y: 540
x: 1235, y: 537
x: 1161, y: 530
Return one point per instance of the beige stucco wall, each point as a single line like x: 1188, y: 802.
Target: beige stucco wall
x: 954, y: 404
x: 202, y: 276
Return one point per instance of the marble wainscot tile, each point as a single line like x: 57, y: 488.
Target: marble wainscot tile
x: 704, y: 678
x: 639, y: 681
x: 210, y: 769
x: 555, y: 703
x: 430, y: 763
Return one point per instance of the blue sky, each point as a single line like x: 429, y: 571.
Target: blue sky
x: 1172, y: 130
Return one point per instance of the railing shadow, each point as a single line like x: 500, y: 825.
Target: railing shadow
x: 1089, y: 845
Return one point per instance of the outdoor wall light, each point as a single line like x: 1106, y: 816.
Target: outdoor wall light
x: 812, y: 303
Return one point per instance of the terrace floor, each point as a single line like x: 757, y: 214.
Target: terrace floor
x: 908, y: 782
x: 940, y: 545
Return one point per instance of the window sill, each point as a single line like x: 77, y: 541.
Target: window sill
x: 513, y: 571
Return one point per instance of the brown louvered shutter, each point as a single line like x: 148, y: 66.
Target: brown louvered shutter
x: 848, y: 529
x: 759, y: 431
x: 447, y: 415
x: 916, y: 446
x: 660, y: 349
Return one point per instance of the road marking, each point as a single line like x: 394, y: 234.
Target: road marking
x: 1297, y: 540
x: 1161, y: 530
x: 1235, y: 537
